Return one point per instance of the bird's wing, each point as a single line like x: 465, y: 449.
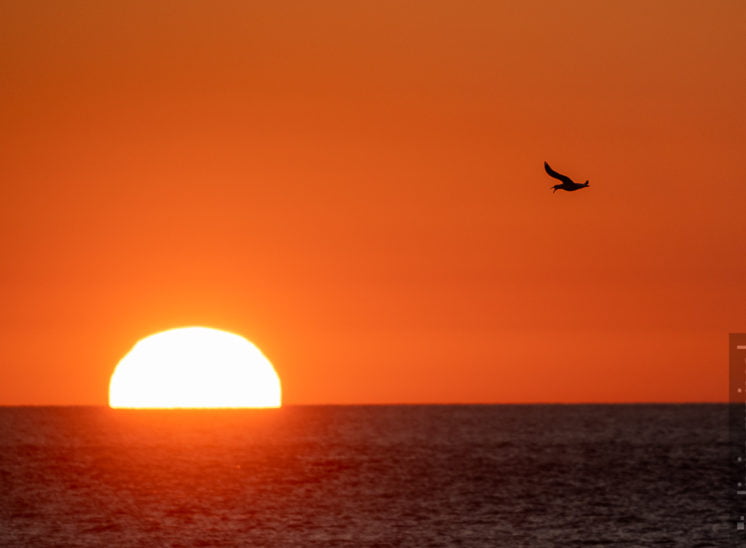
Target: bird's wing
x: 552, y: 173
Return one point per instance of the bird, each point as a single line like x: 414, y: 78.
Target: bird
x: 567, y: 183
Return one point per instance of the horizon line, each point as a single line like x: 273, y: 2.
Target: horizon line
x: 401, y: 404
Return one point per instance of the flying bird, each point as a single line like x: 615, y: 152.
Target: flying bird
x: 567, y: 183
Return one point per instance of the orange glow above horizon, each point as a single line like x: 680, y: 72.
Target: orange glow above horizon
x: 194, y: 367
x: 360, y: 187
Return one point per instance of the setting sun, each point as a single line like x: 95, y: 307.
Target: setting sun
x: 194, y: 367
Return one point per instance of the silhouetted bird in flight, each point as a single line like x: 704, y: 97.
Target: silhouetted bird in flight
x: 567, y: 183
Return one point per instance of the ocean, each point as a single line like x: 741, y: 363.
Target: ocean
x: 418, y: 475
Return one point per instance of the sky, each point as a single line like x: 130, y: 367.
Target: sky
x: 358, y: 189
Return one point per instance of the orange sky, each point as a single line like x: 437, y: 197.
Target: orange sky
x: 357, y: 187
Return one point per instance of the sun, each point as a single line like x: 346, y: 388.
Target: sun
x: 194, y: 367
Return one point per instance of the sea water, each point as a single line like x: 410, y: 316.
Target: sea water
x: 487, y: 475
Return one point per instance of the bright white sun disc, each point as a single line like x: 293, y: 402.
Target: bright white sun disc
x: 194, y: 367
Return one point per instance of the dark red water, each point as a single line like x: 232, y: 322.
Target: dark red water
x: 637, y: 475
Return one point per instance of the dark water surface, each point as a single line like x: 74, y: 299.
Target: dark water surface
x: 528, y: 475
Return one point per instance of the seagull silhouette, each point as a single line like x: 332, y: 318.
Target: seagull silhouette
x: 567, y: 183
